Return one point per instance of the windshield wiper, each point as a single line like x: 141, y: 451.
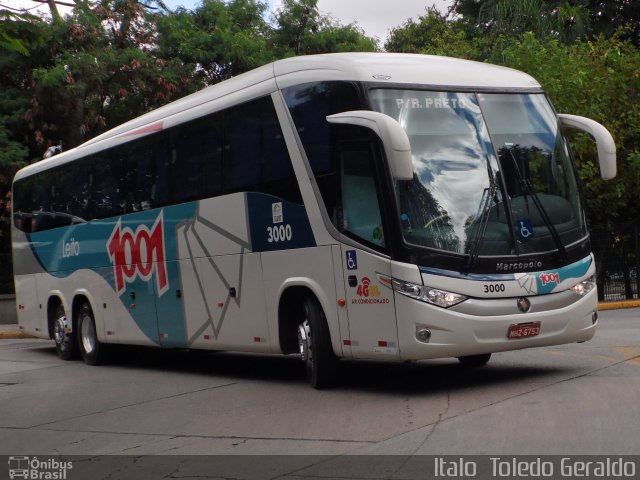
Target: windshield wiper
x: 488, y: 195
x: 527, y: 188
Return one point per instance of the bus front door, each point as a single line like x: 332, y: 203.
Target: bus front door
x: 370, y: 306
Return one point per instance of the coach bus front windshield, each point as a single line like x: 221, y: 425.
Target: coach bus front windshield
x: 492, y: 173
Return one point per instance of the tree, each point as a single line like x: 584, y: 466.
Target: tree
x: 94, y: 69
x: 567, y: 20
x: 621, y: 17
x: 302, y: 30
x: 218, y: 39
x: 434, y: 34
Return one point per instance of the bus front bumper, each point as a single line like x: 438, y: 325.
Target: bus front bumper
x: 483, y: 325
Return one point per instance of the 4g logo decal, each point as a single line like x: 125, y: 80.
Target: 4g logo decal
x: 368, y: 294
x: 365, y: 289
x: 138, y: 254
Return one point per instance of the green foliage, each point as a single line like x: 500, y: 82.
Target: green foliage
x: 599, y: 80
x: 567, y: 20
x: 302, y: 30
x: 217, y: 40
x: 8, y: 40
x: 433, y: 34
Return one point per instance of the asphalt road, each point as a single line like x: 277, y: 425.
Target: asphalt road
x: 581, y: 399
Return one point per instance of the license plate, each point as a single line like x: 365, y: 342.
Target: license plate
x: 523, y: 330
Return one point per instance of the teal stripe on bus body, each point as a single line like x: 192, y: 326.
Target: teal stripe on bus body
x: 133, y: 250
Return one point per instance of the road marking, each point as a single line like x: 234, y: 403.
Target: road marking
x: 630, y: 354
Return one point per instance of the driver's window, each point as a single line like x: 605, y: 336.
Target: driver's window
x: 341, y: 158
x: 360, y: 206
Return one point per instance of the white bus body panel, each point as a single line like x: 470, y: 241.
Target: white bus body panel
x: 311, y: 268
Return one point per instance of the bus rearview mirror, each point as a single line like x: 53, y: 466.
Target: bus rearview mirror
x: 604, y: 141
x: 393, y: 136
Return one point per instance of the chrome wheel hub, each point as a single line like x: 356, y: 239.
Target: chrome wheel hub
x: 88, y: 334
x: 303, y: 341
x: 60, y: 331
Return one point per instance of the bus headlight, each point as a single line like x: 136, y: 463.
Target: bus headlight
x: 585, y: 286
x: 434, y: 296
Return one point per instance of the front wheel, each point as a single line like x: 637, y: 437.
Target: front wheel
x: 63, y: 336
x: 472, y: 361
x: 314, y: 342
x: 91, y: 349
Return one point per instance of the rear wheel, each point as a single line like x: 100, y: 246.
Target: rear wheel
x: 314, y: 342
x: 63, y: 336
x: 91, y: 349
x: 472, y: 361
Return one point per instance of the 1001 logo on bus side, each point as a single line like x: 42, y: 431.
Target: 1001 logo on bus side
x: 138, y: 254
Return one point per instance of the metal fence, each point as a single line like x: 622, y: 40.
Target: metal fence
x: 617, y: 253
x: 6, y: 274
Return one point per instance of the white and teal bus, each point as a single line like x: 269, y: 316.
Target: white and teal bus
x: 346, y: 206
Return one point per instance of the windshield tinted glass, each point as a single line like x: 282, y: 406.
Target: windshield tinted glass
x: 492, y: 175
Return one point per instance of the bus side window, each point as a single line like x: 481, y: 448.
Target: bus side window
x: 212, y: 144
x: 243, y: 150
x: 186, y: 159
x: 256, y: 157
x: 160, y: 174
x: 73, y: 187
x: 141, y: 164
x: 23, y: 204
x: 107, y: 198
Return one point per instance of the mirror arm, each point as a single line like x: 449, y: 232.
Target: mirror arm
x: 393, y: 136
x: 604, y: 141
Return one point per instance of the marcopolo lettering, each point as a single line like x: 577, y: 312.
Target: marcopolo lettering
x: 138, y: 254
x: 508, y: 267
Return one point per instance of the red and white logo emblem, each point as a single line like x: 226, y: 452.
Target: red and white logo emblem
x: 550, y: 278
x: 138, y: 254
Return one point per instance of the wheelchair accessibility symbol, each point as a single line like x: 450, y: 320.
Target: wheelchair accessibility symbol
x: 525, y: 228
x: 352, y: 260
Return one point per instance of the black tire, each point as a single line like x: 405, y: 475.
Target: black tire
x: 91, y: 349
x: 314, y: 341
x: 65, y: 339
x: 473, y: 361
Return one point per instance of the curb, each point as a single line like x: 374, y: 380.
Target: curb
x: 618, y: 305
x: 14, y: 335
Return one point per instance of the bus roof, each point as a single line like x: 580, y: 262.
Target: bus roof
x: 393, y: 68
x: 430, y: 70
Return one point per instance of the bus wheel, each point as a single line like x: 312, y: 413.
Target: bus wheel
x: 65, y: 340
x: 314, y: 342
x: 472, y: 361
x: 91, y: 349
